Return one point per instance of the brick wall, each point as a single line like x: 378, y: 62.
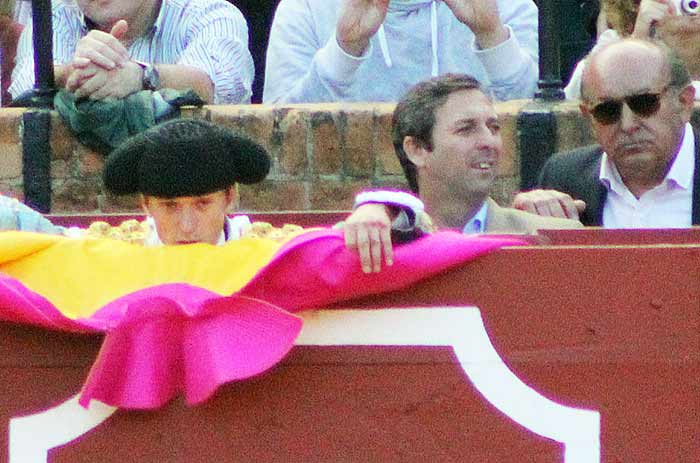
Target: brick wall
x: 323, y: 155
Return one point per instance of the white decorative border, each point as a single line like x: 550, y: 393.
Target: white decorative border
x: 462, y: 328
x: 31, y: 437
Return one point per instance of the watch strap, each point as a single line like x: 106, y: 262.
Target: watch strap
x: 150, y: 79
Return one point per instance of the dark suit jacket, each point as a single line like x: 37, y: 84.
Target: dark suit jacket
x: 576, y: 172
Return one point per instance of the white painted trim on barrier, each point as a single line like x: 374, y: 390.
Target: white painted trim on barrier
x: 463, y: 329
x: 31, y: 437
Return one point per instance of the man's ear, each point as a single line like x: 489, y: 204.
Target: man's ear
x: 143, y: 200
x: 416, y: 151
x: 584, y: 110
x: 686, y: 98
x: 232, y: 199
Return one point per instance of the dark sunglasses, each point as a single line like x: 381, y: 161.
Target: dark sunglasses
x: 643, y: 104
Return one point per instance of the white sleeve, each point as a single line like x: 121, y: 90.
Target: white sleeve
x: 219, y: 48
x: 409, y: 206
x: 23, y: 73
x: 512, y: 66
x: 299, y: 68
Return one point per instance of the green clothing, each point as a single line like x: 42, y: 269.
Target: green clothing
x: 103, y: 124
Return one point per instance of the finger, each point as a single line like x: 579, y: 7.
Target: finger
x: 101, y: 57
x: 72, y: 82
x: 119, y: 29
x: 75, y: 80
x: 78, y: 77
x: 549, y: 209
x: 530, y: 206
x: 103, y: 46
x: 524, y: 202
x: 112, y: 43
x: 570, y: 210
x: 385, y: 237
x: 80, y: 62
x: 580, y: 205
x: 91, y: 85
x: 557, y: 208
x: 541, y: 208
x: 363, y: 250
x: 103, y: 92
x: 375, y: 248
x: 349, y: 232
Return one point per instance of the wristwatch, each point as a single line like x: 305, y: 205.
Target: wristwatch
x: 150, y: 79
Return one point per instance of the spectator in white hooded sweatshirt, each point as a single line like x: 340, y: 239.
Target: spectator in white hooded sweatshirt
x: 375, y: 50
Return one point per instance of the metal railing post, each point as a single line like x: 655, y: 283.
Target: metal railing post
x: 41, y: 96
x: 550, y: 84
x: 36, y: 123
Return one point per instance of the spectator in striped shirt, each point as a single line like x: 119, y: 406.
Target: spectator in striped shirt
x: 111, y: 48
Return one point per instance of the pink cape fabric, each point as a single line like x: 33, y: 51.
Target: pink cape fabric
x: 177, y: 338
x: 317, y: 270
x: 173, y: 338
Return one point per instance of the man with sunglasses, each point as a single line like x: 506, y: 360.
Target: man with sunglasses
x: 644, y: 173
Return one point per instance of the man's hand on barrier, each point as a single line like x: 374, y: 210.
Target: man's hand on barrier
x: 359, y: 20
x: 549, y: 203
x: 368, y: 232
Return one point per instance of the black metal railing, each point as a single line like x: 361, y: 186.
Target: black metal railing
x: 41, y: 96
x: 550, y: 83
x: 36, y: 134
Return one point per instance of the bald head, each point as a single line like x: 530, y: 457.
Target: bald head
x: 632, y: 58
x: 638, y: 98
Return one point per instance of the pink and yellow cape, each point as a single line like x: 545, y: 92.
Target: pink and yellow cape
x: 188, y: 319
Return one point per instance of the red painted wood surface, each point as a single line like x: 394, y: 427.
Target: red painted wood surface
x: 609, y: 328
x: 614, y: 329
x: 599, y: 236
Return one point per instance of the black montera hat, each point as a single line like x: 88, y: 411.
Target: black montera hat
x: 184, y: 157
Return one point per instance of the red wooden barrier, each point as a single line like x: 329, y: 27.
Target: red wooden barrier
x: 602, y: 344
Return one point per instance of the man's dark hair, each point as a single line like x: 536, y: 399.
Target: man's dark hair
x: 590, y: 9
x: 414, y: 115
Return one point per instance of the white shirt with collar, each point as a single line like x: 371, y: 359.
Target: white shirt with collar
x: 409, y: 204
x: 234, y: 226
x: 477, y: 224
x: 668, y: 205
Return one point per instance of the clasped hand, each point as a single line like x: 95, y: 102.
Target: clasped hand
x: 101, y: 67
